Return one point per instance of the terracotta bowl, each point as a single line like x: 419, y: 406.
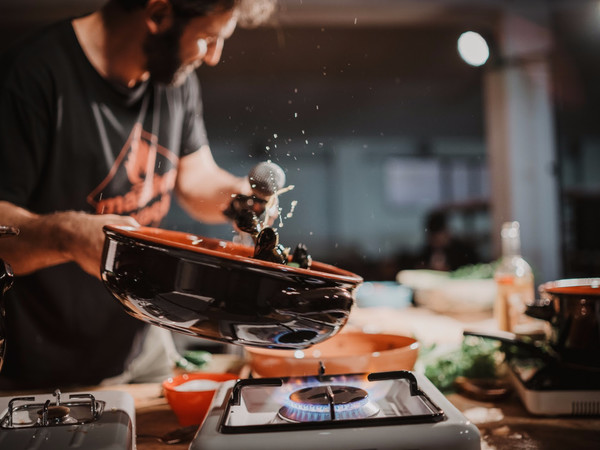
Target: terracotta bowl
x: 189, y: 395
x: 348, y: 352
x: 214, y: 289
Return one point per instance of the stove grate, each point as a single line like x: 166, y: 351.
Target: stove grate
x: 23, y: 412
x: 389, y: 407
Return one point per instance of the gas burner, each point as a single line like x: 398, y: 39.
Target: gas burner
x: 329, y: 402
x: 50, y: 421
x: 554, y: 389
x: 383, y: 411
x: 54, y: 414
x: 26, y: 412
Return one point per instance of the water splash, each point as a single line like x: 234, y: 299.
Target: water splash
x: 292, y: 208
x: 272, y: 209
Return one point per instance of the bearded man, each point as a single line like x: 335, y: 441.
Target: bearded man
x: 101, y: 123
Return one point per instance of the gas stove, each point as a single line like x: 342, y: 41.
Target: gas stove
x: 552, y: 388
x: 104, y: 419
x: 385, y: 410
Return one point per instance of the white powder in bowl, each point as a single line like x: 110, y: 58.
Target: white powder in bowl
x: 197, y: 385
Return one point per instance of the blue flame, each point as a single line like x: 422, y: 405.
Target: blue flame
x: 302, y: 412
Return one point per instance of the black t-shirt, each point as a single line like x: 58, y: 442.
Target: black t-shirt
x: 71, y: 140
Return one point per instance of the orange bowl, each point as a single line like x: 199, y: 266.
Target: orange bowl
x: 346, y: 352
x: 191, y: 394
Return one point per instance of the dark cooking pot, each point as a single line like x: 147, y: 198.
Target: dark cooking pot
x: 6, y: 281
x: 214, y: 289
x: 572, y: 309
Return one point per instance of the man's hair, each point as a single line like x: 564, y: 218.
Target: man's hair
x: 251, y: 12
x: 197, y: 7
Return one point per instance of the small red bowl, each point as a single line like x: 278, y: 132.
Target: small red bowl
x: 189, y: 398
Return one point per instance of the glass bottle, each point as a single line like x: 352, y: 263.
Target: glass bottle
x: 515, y: 285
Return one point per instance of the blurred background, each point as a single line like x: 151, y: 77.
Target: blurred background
x: 378, y: 121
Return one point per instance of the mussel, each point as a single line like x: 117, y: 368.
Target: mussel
x: 245, y: 212
x: 268, y: 248
x: 301, y: 257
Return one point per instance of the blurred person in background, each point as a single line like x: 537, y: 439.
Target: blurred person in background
x: 101, y: 123
x: 442, y: 250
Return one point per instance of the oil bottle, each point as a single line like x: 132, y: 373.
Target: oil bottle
x: 515, y: 285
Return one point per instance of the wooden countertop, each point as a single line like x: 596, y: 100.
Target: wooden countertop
x: 153, y: 416
x: 504, y: 424
x: 507, y: 425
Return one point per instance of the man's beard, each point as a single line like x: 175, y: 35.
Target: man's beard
x: 163, y: 57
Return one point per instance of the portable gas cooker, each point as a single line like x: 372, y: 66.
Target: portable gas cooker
x: 103, y: 420
x: 385, y: 410
x: 551, y: 388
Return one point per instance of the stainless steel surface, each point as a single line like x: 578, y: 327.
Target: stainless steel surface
x: 453, y: 431
x: 101, y: 420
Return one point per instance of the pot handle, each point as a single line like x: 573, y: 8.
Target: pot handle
x: 6, y: 231
x: 6, y: 281
x: 512, y: 339
x: 540, y: 309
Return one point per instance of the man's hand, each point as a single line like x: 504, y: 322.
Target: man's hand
x: 80, y: 237
x: 204, y: 189
x: 51, y: 239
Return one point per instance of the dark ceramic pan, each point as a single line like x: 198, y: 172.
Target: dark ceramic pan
x: 214, y: 289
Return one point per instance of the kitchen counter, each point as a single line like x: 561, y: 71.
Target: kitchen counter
x: 153, y: 416
x: 503, y: 424
x: 507, y: 425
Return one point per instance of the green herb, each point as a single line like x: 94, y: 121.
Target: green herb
x: 193, y: 360
x: 476, y: 358
x: 475, y: 271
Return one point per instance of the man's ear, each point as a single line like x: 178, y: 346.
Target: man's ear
x: 158, y: 15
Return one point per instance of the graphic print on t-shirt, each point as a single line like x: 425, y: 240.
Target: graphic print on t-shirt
x: 140, y: 182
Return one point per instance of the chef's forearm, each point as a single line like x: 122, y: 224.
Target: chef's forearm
x: 51, y: 239
x: 39, y: 243
x: 204, y: 189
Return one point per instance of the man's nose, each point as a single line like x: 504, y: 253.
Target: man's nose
x: 213, y: 52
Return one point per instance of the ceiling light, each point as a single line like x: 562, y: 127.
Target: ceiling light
x: 473, y: 48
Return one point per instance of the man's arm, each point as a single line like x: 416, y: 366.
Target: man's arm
x: 204, y: 189
x: 51, y: 239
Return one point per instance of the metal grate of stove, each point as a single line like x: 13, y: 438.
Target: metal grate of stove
x: 404, y: 411
x: 26, y: 412
x: 105, y: 419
